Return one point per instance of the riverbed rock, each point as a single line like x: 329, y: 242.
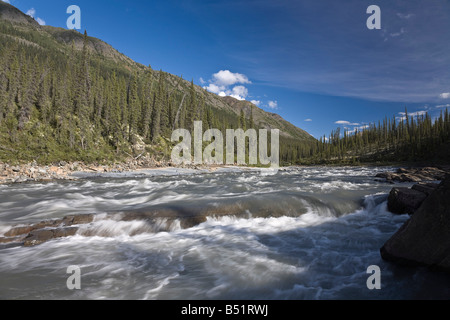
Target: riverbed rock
x: 405, y: 200
x: 424, y: 240
x: 37, y: 233
x: 43, y: 235
x: 78, y: 219
x: 426, y: 188
x: 25, y: 229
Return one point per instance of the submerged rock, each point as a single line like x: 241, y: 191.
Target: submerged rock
x: 425, y: 238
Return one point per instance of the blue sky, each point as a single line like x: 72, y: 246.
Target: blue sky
x: 314, y: 62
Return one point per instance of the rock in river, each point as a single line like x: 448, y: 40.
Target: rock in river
x: 425, y: 238
x: 405, y: 200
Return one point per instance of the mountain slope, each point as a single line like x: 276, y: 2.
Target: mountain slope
x: 67, y: 37
x: 11, y: 13
x: 87, y: 98
x: 267, y: 120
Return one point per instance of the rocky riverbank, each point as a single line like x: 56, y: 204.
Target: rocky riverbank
x: 415, y: 174
x: 32, y: 172
x: 424, y: 240
x: 403, y: 200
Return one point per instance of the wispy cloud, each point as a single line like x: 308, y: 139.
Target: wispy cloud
x: 256, y: 102
x: 272, y: 105
x: 398, y: 34
x: 40, y: 21
x: 410, y: 114
x: 7, y: 1
x: 31, y: 12
x: 308, y: 120
x: 360, y: 128
x: 410, y: 67
x: 444, y: 95
x: 347, y: 123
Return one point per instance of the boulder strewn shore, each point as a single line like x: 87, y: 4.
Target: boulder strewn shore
x: 32, y: 172
x: 424, y: 240
x: 403, y: 200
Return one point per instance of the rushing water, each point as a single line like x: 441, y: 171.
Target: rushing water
x: 305, y: 233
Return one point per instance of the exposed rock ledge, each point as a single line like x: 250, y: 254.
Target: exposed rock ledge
x: 34, y: 234
x: 155, y: 220
x: 425, y: 238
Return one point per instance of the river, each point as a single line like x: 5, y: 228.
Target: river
x: 304, y: 233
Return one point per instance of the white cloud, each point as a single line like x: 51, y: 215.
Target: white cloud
x: 273, y: 104
x: 7, y: 1
x: 308, y: 120
x: 31, y: 12
x: 348, y: 123
x: 410, y: 114
x: 40, y: 21
x: 239, y: 92
x: 222, y: 81
x: 213, y: 88
x: 360, y: 128
x: 227, y: 78
x: 226, y: 83
x: 443, y: 106
x: 413, y: 114
x: 444, y: 95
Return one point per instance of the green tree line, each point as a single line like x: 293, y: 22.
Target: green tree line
x: 397, y: 139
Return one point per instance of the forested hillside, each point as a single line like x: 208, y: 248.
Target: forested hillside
x: 404, y: 139
x: 67, y: 96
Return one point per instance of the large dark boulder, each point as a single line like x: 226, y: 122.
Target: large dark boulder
x: 427, y: 188
x: 405, y: 200
x: 425, y: 238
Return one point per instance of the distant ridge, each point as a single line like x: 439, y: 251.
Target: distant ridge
x: 12, y: 14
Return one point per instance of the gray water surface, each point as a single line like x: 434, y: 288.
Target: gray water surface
x: 304, y: 233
